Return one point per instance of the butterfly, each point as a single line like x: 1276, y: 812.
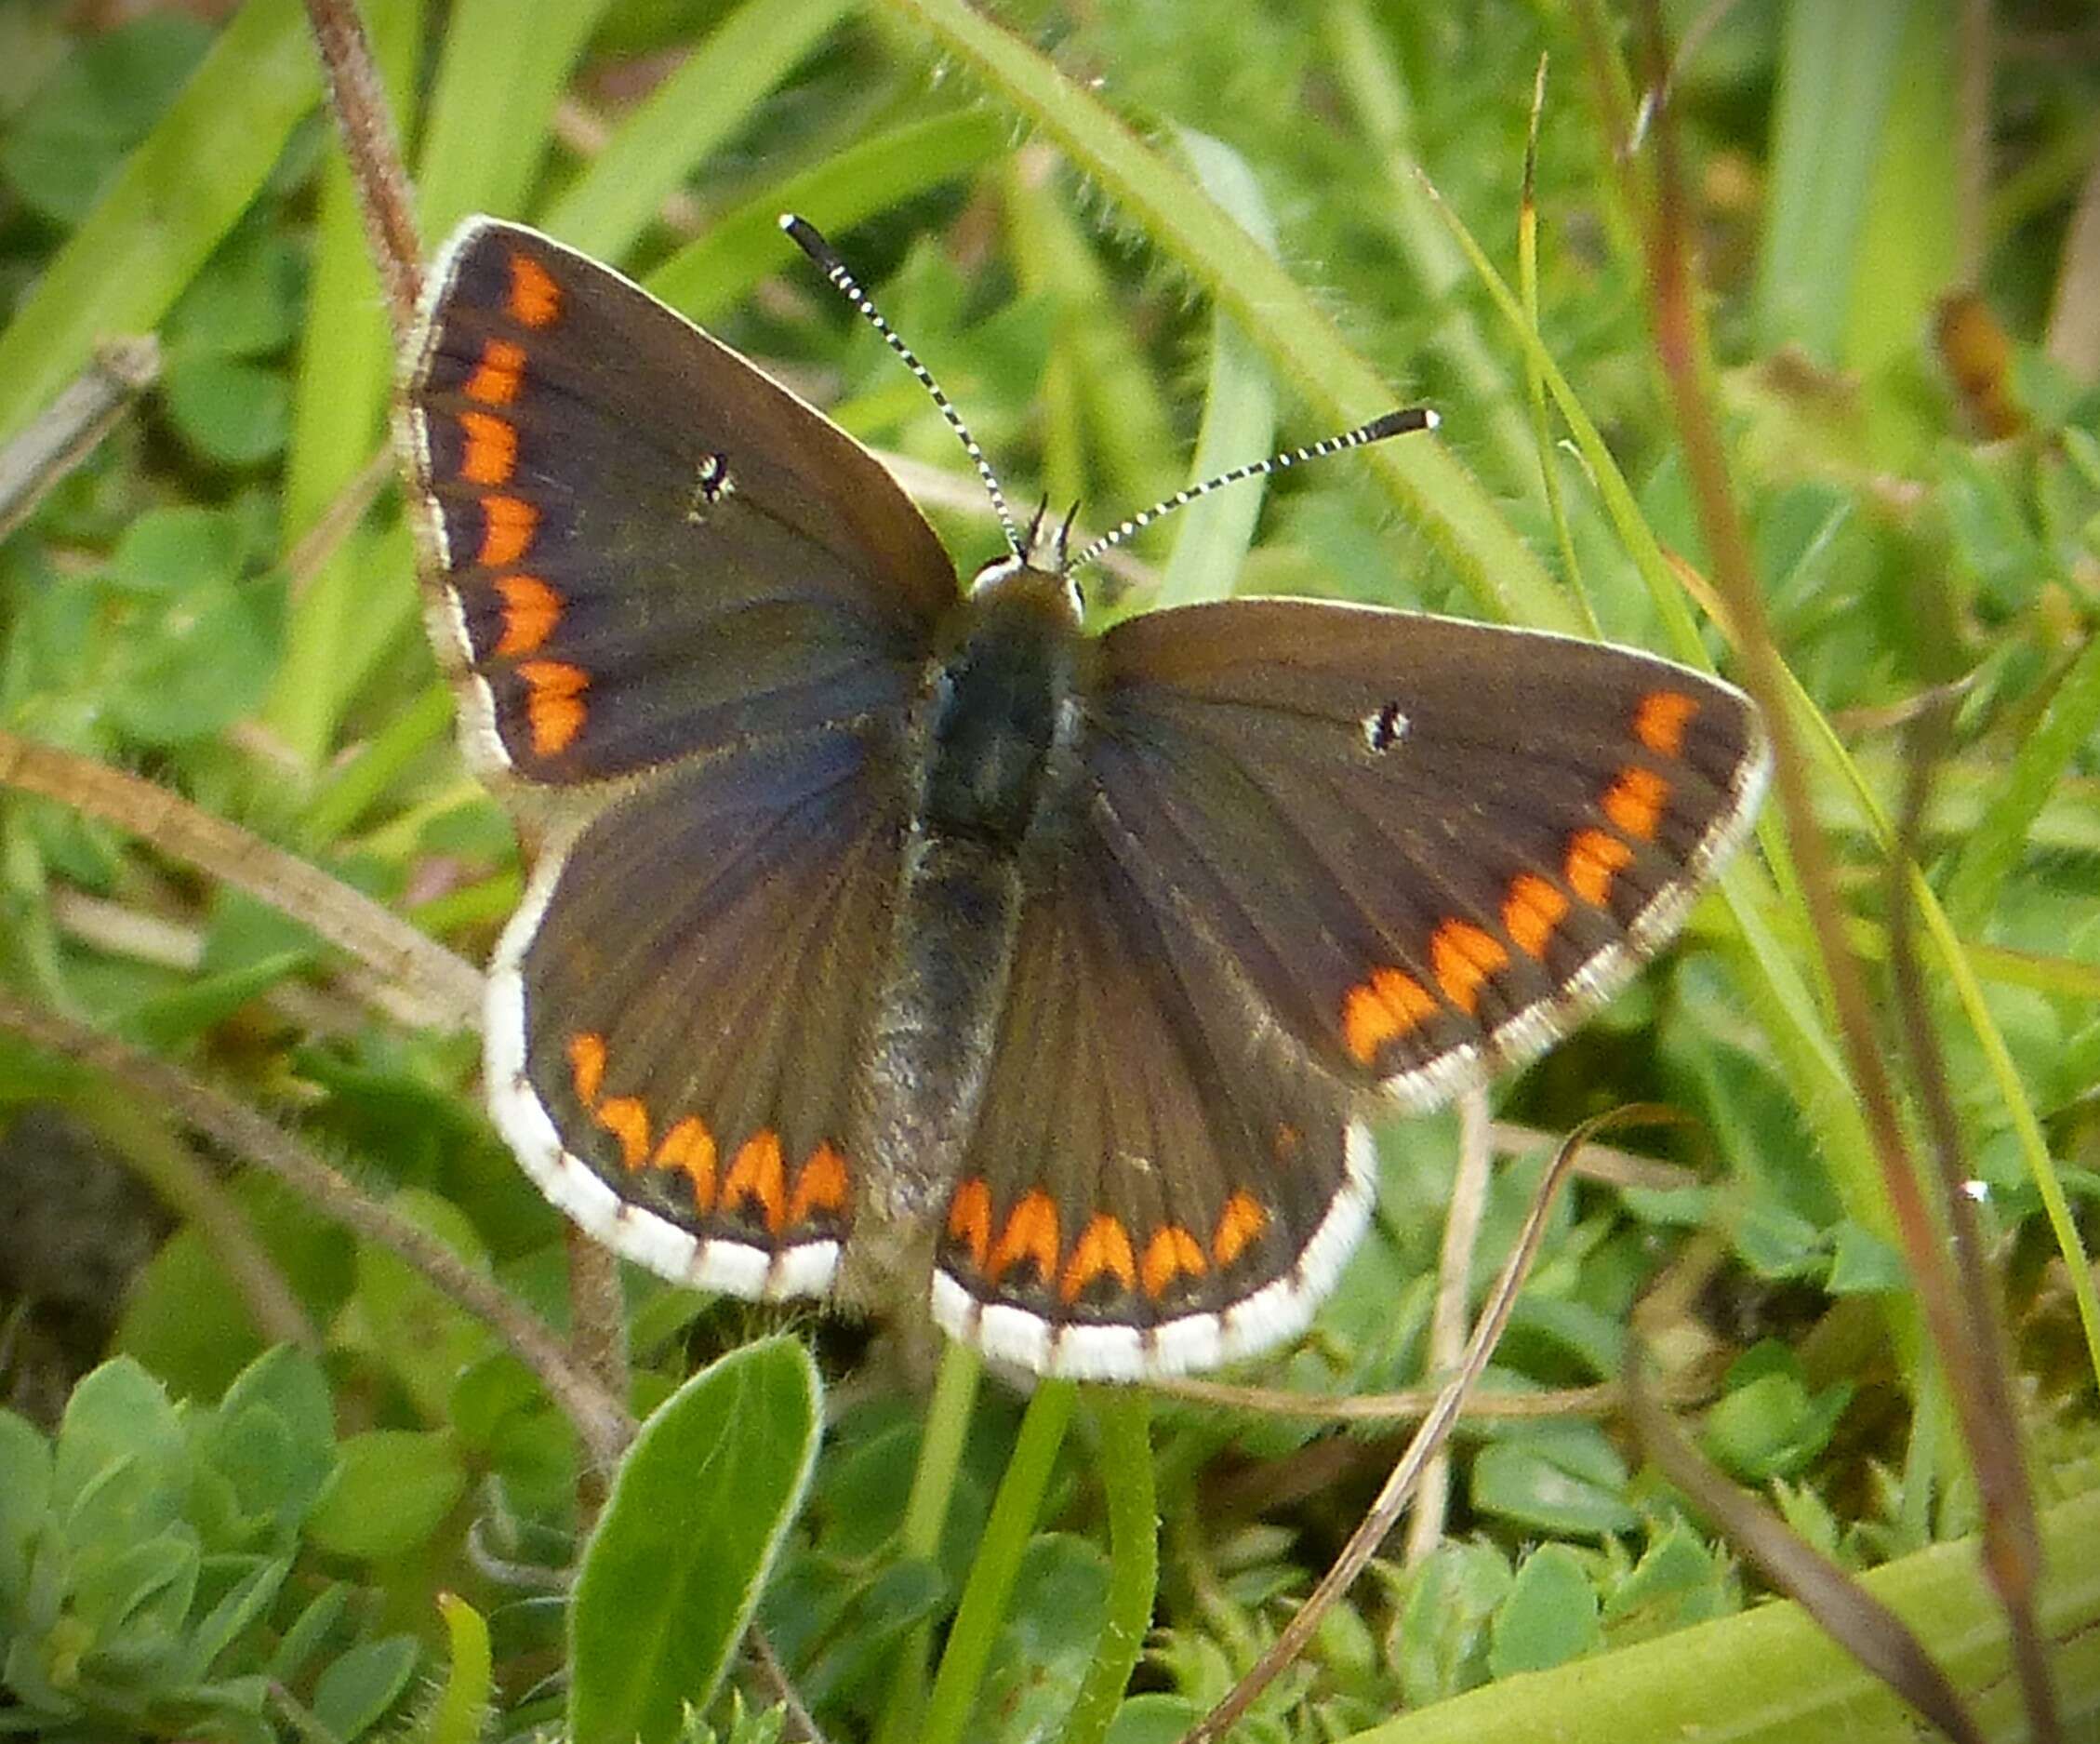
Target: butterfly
x: 888, y: 933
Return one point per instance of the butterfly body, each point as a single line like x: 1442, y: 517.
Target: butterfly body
x: 893, y: 938
x: 990, y: 757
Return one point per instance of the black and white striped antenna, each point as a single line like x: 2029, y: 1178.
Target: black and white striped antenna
x: 1397, y: 424
x: 810, y: 240
x: 806, y: 237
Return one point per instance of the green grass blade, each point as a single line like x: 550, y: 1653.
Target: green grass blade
x: 674, y: 1567
x: 1770, y: 1676
x: 490, y: 114
x: 1838, y: 64
x: 686, y: 120
x: 712, y: 272
x: 991, y: 1583
x: 344, y: 382
x: 1239, y: 406
x: 1296, y: 335
x: 177, y: 195
x: 1993, y: 847
x: 1124, y: 1413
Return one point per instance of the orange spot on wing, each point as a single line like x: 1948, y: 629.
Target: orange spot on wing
x: 1593, y: 858
x: 492, y: 448
x: 507, y: 526
x: 1376, y: 1010
x: 1103, y: 1248
x: 1660, y: 719
x: 757, y: 1174
x: 689, y: 1147
x: 1634, y: 801
x: 1030, y: 1233
x: 1171, y: 1252
x: 1237, y: 1224
x: 587, y: 1067
x: 1463, y: 957
x: 497, y: 377
x: 531, y: 609
x: 535, y: 299
x: 969, y: 1220
x: 1531, y: 912
x: 820, y: 1185
x: 555, y: 707
x: 628, y: 1121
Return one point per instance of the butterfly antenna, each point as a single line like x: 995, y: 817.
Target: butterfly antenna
x: 810, y: 240
x: 1398, y: 423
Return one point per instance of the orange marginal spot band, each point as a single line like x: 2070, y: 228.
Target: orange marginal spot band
x: 1660, y: 718
x: 1030, y: 1233
x: 628, y: 1121
x: 969, y: 1218
x: 531, y: 609
x: 1171, y: 1252
x: 555, y: 708
x: 1531, y: 912
x: 535, y: 299
x: 820, y: 1185
x: 507, y: 526
x: 1103, y: 1248
x: 492, y: 448
x: 689, y: 1148
x: 1380, y: 1008
x: 587, y: 1067
x: 1237, y: 1224
x: 1463, y: 957
x: 1635, y: 801
x: 1593, y: 857
x: 496, y: 378
x: 757, y: 1174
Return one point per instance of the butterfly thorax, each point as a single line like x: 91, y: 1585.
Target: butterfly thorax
x: 992, y: 745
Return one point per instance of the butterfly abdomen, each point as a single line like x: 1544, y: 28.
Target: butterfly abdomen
x: 992, y: 745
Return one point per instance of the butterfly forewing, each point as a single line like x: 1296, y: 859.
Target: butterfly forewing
x: 676, y: 1015
x: 1155, y: 1184
x: 1427, y: 847
x: 639, y: 546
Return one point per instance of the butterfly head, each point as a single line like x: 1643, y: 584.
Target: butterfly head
x: 1037, y: 562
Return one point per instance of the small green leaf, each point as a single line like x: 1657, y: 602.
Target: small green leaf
x: 1677, y: 1582
x: 176, y: 550
x: 1768, y: 1424
x: 119, y: 1412
x: 390, y: 1492
x: 228, y: 409
x: 202, y: 666
x: 69, y: 138
x: 244, y: 303
x: 1559, y: 1483
x: 687, y: 1537
x: 1046, y: 1642
x: 357, y: 1689
x: 1549, y: 1617
x: 1440, y: 1646
x: 243, y: 1603
x: 460, y: 1714
x: 25, y: 1494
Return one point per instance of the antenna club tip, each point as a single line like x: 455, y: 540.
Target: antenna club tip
x: 809, y: 239
x: 1400, y: 423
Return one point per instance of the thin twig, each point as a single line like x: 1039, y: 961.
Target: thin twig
x: 67, y: 430
x: 431, y: 985
x: 358, y: 101
x: 781, y: 1685
x: 601, y: 1420
x: 1365, y: 1541
x: 1446, y: 1340
x: 1679, y: 347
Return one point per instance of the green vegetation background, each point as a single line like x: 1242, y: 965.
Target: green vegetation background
x: 311, y: 1497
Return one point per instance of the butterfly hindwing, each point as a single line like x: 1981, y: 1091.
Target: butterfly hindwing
x: 1154, y: 1184
x: 639, y: 545
x: 1429, y: 847
x: 676, y: 1013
